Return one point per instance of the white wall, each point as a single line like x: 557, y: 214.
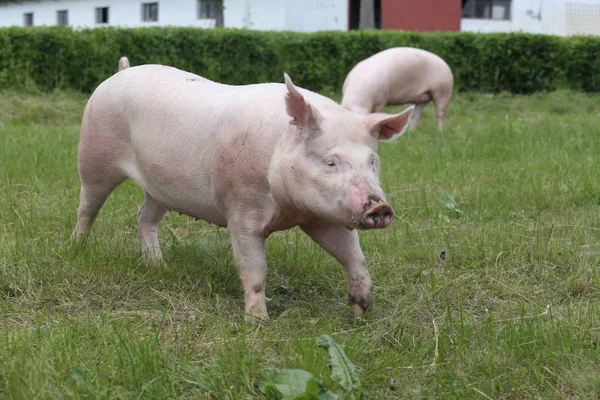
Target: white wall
x: 543, y: 16
x: 583, y: 17
x: 294, y: 15
x: 299, y: 15
x: 255, y: 14
x: 313, y: 15
x: 121, y: 13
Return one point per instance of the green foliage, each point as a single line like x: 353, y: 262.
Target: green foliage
x: 58, y: 57
x: 583, y: 68
x: 294, y: 384
x: 342, y: 369
x: 297, y: 384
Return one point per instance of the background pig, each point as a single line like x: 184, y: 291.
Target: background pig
x: 398, y: 76
x: 256, y: 158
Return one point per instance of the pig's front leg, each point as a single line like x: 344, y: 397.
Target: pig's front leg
x: 343, y: 244
x: 416, y: 116
x: 249, y: 254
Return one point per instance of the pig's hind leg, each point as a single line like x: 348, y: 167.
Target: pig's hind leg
x: 441, y: 100
x: 97, y: 183
x: 150, y: 216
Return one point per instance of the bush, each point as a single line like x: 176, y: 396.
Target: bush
x: 56, y: 57
x: 582, y: 64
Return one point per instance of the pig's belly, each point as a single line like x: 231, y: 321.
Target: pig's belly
x: 181, y: 192
x: 408, y: 94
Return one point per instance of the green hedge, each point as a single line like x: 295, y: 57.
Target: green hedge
x: 80, y: 59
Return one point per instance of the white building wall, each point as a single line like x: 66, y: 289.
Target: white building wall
x: 121, y: 13
x: 298, y: 15
x: 312, y: 15
x: 255, y: 14
x: 556, y: 17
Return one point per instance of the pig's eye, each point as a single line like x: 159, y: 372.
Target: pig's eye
x: 331, y: 162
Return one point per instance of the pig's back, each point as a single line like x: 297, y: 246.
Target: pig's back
x: 164, y: 106
x: 422, y: 70
x: 187, y: 140
x: 175, y: 101
x: 398, y: 74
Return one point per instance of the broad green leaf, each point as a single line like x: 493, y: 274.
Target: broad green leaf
x: 342, y: 369
x: 289, y: 383
x: 294, y: 384
x: 317, y: 391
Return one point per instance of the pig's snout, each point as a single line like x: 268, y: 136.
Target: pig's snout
x: 378, y: 216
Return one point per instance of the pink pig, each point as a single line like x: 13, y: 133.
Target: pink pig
x: 256, y: 159
x: 398, y: 76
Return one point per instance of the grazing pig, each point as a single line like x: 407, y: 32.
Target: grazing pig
x: 398, y: 76
x: 256, y: 159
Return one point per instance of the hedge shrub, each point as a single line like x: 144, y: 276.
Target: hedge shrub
x: 55, y: 57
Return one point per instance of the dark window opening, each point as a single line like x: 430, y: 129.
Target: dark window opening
x: 207, y: 9
x: 487, y: 9
x: 355, y: 14
x: 150, y: 12
x: 28, y: 19
x: 102, y: 15
x: 62, y: 17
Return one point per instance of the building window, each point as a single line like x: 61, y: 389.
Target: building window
x: 62, y: 17
x: 28, y: 19
x: 102, y: 15
x: 207, y: 9
x: 150, y: 12
x: 487, y: 9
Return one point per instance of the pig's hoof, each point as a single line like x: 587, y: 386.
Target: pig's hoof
x: 256, y: 319
x: 155, y: 262
x: 78, y: 238
x: 361, y: 304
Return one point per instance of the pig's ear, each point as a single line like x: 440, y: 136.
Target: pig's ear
x: 390, y: 127
x: 302, y: 113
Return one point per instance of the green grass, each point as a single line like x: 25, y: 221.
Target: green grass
x: 510, y: 190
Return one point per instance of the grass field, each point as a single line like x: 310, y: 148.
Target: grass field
x: 510, y: 191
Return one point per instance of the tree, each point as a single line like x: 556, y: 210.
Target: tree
x: 367, y: 14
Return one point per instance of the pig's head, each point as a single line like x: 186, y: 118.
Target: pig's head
x: 326, y: 163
